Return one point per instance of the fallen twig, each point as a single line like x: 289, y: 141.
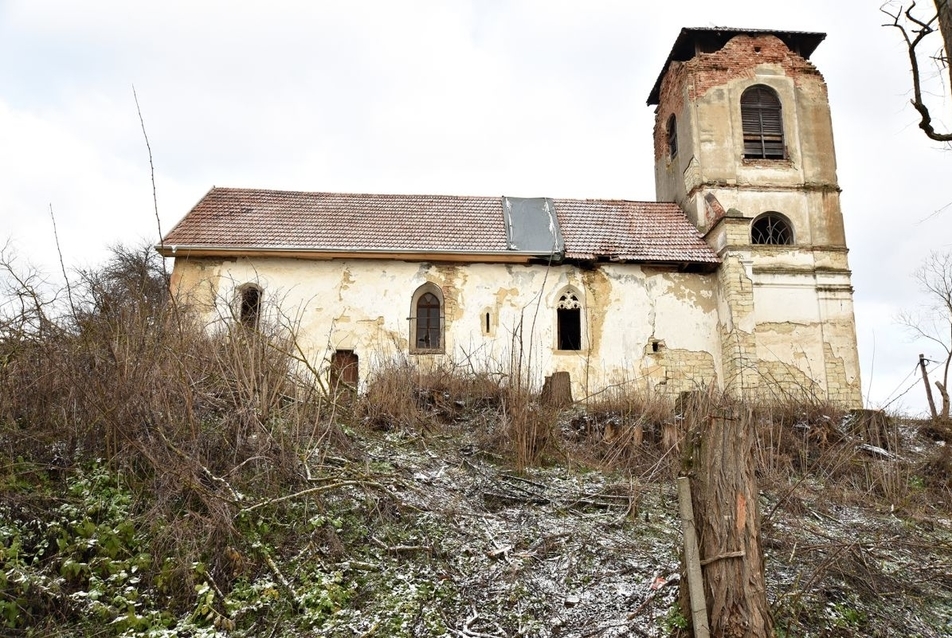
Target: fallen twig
x: 310, y: 490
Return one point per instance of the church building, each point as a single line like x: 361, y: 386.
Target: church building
x: 734, y: 278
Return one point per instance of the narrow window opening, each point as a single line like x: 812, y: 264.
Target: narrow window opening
x: 762, y: 122
x: 250, y: 310
x: 771, y: 229
x: 569, y: 322
x: 487, y: 329
x: 672, y: 137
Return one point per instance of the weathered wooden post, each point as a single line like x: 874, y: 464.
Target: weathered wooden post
x: 925, y: 380
x: 692, y: 561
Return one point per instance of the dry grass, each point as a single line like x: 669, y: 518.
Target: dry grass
x: 401, y: 396
x: 513, y: 423
x: 192, y: 419
x: 196, y: 422
x: 634, y: 431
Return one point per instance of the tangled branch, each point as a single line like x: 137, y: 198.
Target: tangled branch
x: 913, y: 37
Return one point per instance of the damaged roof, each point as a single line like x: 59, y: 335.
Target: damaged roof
x: 234, y: 222
x: 692, y: 41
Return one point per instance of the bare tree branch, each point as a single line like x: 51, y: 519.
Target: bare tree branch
x: 914, y: 30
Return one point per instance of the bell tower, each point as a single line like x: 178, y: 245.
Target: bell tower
x: 743, y: 142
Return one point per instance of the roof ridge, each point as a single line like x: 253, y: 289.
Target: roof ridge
x: 280, y: 191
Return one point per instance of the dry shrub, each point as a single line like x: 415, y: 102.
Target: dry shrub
x: 796, y: 437
x: 848, y: 456
x: 404, y: 396
x: 529, y: 427
x: 936, y: 471
x: 390, y: 401
x: 514, y: 423
x: 198, y: 423
x: 625, y: 428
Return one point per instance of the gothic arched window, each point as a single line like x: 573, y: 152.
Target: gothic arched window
x: 426, y: 319
x: 568, y: 315
x: 771, y: 228
x: 762, y: 121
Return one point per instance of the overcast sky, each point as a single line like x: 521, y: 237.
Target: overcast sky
x: 521, y: 98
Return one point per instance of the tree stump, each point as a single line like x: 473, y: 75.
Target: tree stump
x: 873, y: 427
x: 557, y: 390
x: 719, y: 458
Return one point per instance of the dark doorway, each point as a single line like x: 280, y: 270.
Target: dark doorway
x: 344, y: 369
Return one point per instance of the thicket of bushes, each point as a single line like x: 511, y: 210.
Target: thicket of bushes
x: 149, y: 468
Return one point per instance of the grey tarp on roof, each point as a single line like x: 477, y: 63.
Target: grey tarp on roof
x: 532, y: 226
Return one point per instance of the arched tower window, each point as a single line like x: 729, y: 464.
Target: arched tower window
x: 249, y: 305
x: 771, y: 228
x: 762, y: 121
x: 568, y: 315
x: 427, y: 319
x: 672, y: 131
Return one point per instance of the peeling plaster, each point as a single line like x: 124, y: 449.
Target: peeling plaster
x: 597, y: 289
x: 692, y: 289
x: 784, y: 327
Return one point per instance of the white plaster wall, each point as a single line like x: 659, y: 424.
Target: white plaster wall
x: 364, y: 305
x: 786, y: 298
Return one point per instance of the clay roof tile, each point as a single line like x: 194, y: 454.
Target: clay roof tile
x: 258, y: 219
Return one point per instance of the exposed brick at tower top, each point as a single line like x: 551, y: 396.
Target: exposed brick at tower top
x: 738, y: 58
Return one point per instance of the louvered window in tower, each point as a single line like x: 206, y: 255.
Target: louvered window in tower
x: 763, y: 124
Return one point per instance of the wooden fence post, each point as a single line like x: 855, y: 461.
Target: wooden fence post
x: 692, y: 561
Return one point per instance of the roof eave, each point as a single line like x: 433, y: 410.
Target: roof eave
x: 168, y: 249
x: 690, y: 265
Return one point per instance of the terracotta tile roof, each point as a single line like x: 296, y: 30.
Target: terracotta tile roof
x: 255, y: 218
x: 233, y: 219
x: 621, y: 230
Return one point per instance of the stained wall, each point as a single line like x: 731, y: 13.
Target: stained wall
x: 646, y: 328
x: 785, y: 311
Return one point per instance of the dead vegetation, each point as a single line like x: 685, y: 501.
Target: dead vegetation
x: 157, y: 478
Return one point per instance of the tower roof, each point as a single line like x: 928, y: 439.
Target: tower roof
x: 692, y: 41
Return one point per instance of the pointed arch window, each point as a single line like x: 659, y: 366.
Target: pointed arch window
x: 771, y: 229
x: 427, y: 319
x: 249, y: 305
x: 762, y: 121
x: 568, y: 316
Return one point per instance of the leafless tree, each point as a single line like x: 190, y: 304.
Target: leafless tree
x: 915, y: 27
x: 934, y: 321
